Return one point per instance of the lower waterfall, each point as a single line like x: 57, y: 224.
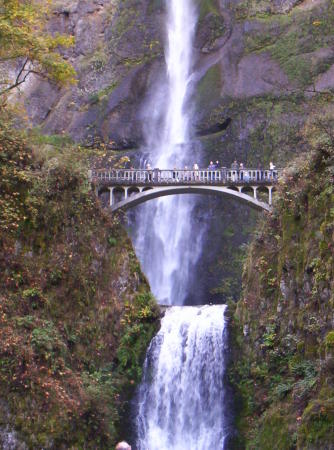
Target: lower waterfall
x: 181, y: 400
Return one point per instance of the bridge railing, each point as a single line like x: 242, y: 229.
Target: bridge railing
x: 201, y: 176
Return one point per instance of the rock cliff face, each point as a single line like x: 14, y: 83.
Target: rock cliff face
x: 76, y: 313
x: 254, y: 62
x: 257, y: 66
x: 116, y: 45
x: 283, y: 325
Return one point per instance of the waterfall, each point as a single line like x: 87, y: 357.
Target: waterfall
x: 182, y: 396
x: 181, y: 402
x: 165, y: 239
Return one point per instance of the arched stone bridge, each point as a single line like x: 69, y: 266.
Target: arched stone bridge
x: 128, y: 188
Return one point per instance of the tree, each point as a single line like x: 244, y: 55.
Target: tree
x: 27, y: 48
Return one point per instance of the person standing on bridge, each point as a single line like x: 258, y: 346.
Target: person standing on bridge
x: 211, y: 173
x: 241, y: 171
x: 234, y: 165
x: 271, y: 168
x: 196, y: 171
x: 234, y: 168
x: 149, y: 172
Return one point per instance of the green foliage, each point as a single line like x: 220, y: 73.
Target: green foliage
x: 269, y: 337
x: 24, y: 40
x: 139, y: 326
x: 329, y: 340
x: 292, y: 38
x: 208, y: 90
x: 282, y: 390
x: 46, y: 341
x: 206, y: 7
x: 34, y: 296
x: 274, y: 432
x: 61, y: 258
x: 317, y: 428
x: 112, y: 241
x: 291, y: 254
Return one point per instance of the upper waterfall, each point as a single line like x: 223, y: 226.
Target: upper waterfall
x: 165, y: 238
x: 181, y: 23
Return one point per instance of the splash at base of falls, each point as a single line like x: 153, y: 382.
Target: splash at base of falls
x: 182, y: 400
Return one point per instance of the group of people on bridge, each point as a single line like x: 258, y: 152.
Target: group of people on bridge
x: 213, y: 173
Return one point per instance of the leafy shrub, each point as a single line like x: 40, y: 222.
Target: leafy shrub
x: 55, y: 277
x: 112, y: 241
x: 25, y: 321
x: 139, y: 326
x: 34, y: 296
x: 282, y: 390
x: 302, y: 368
x: 269, y: 337
x: 46, y: 341
x: 329, y: 340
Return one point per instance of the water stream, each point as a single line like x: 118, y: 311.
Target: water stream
x: 182, y: 395
x: 181, y: 401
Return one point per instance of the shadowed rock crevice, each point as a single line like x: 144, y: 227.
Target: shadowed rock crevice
x: 215, y: 128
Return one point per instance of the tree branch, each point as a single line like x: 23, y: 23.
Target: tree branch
x: 19, y: 80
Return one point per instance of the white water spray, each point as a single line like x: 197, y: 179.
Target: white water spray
x: 182, y: 400
x: 166, y: 242
x: 182, y: 396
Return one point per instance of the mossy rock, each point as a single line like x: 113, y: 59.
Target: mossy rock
x: 329, y: 341
x: 275, y: 432
x: 317, y: 428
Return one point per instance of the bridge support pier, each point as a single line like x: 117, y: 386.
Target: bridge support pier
x: 126, y: 189
x: 111, y: 196
x: 255, y: 191
x: 270, y: 190
x: 239, y: 188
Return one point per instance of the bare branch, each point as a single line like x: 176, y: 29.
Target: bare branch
x: 16, y: 84
x: 21, y: 70
x: 25, y: 73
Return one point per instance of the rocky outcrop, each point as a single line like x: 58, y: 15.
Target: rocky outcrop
x: 76, y: 313
x: 283, y: 326
x: 115, y: 45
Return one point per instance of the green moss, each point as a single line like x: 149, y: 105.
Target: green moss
x: 208, y: 89
x: 289, y: 269
x: 56, y: 140
x: 274, y: 432
x: 140, y: 324
x: 329, y: 340
x: 207, y: 7
x: 292, y: 38
x: 317, y: 428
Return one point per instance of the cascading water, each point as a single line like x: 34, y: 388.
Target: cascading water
x: 182, y: 400
x: 171, y: 248
x: 182, y: 395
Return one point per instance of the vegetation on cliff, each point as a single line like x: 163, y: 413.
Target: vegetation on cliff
x: 283, y: 325
x: 29, y: 47
x: 76, y: 314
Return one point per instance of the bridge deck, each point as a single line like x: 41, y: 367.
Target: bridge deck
x: 156, y: 177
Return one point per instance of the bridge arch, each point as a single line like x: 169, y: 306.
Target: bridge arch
x: 150, y: 193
